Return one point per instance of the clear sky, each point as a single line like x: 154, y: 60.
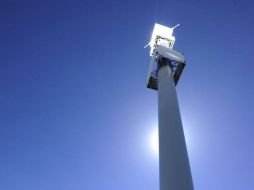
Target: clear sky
x: 75, y: 113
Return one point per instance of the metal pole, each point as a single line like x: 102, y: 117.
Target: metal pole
x: 175, y: 173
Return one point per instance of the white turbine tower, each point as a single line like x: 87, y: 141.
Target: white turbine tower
x: 164, y: 72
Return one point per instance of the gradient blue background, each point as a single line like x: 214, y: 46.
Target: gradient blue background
x: 74, y: 110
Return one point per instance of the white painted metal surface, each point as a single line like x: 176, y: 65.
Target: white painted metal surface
x: 169, y: 53
x: 175, y: 173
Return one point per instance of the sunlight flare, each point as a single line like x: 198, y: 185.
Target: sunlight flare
x: 155, y: 142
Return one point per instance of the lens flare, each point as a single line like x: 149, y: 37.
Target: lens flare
x: 155, y: 142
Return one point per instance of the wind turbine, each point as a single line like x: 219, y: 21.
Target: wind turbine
x: 163, y: 74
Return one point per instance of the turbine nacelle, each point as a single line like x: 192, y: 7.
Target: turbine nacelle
x: 161, y: 45
x: 162, y: 36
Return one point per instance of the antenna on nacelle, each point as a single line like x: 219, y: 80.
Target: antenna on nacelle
x: 147, y: 45
x: 175, y: 26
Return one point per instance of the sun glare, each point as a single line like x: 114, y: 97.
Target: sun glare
x: 155, y: 142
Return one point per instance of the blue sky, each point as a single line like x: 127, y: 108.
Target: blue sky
x: 75, y: 112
